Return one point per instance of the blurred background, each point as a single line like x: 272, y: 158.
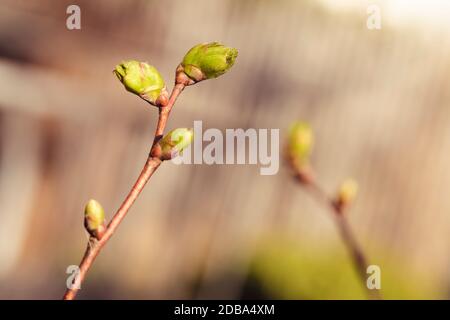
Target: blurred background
x: 378, y: 101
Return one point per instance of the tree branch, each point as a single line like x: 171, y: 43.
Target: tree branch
x: 151, y: 165
x: 356, y: 252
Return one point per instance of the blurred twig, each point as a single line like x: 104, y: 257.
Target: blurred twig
x: 356, y: 252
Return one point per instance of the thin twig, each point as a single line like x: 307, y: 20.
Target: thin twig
x: 151, y: 165
x: 164, y: 112
x: 355, y: 250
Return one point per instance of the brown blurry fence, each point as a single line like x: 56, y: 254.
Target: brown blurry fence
x: 377, y: 100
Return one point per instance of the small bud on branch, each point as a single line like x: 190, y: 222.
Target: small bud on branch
x: 94, y: 219
x: 299, y: 148
x: 173, y: 144
x: 346, y: 194
x: 143, y: 80
x: 301, y: 141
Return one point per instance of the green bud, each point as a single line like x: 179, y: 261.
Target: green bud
x: 347, y: 192
x: 300, y: 143
x: 205, y: 61
x: 143, y: 80
x: 173, y: 144
x: 94, y: 218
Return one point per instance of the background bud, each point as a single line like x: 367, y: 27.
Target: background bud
x: 144, y: 80
x: 172, y: 144
x: 207, y: 61
x: 346, y: 194
x: 94, y: 218
x: 300, y: 143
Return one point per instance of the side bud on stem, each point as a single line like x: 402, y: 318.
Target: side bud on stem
x: 205, y: 61
x: 94, y: 219
x: 143, y: 80
x: 300, y: 144
x: 346, y: 194
x: 173, y: 144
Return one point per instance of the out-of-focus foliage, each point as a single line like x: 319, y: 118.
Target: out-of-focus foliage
x: 286, y: 269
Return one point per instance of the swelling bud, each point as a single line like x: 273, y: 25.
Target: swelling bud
x: 299, y: 148
x: 94, y: 219
x: 205, y: 61
x: 346, y: 194
x: 143, y: 80
x: 300, y: 142
x: 173, y: 144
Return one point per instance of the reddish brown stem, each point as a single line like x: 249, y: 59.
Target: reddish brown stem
x: 356, y: 252
x: 164, y: 112
x: 153, y: 162
x: 94, y: 247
